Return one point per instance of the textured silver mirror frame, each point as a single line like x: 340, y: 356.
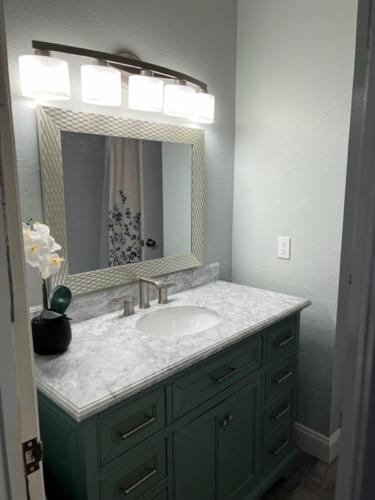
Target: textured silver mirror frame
x: 51, y: 121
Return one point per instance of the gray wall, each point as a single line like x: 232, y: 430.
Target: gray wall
x: 84, y: 165
x: 194, y: 37
x: 295, y: 63
x: 177, y: 198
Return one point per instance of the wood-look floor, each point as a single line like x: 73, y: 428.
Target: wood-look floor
x: 313, y: 480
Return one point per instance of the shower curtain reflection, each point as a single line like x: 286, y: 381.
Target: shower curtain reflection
x: 121, y: 221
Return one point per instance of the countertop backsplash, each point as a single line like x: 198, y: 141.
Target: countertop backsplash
x: 95, y: 304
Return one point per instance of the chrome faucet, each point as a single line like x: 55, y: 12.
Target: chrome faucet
x: 144, y: 295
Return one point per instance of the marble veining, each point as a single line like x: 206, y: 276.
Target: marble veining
x: 109, y: 359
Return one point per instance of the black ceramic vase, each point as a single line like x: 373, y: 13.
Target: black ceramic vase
x: 51, y: 336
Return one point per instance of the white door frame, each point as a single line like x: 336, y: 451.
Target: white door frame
x: 18, y: 407
x: 354, y: 480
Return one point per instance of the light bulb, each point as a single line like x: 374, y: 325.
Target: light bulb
x: 44, y: 77
x: 177, y: 100
x: 146, y: 93
x: 100, y: 85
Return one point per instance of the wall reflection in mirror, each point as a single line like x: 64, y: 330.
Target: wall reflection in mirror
x: 126, y: 200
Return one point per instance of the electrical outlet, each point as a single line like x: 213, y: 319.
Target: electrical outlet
x: 284, y: 247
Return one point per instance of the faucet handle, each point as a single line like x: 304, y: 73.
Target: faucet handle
x: 163, y: 292
x: 128, y: 305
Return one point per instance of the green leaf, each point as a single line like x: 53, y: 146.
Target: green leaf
x: 60, y: 300
x: 47, y: 314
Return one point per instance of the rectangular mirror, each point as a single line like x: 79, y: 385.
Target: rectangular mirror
x: 123, y: 197
x: 126, y: 200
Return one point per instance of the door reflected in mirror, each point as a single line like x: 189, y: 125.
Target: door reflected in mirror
x: 126, y: 200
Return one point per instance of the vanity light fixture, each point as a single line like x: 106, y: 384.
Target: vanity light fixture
x: 100, y: 84
x: 152, y: 88
x: 178, y: 99
x: 44, y: 77
x: 146, y: 92
x: 203, y: 107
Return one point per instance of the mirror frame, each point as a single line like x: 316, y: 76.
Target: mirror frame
x: 51, y: 122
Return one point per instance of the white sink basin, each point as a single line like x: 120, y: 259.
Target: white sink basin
x: 179, y: 320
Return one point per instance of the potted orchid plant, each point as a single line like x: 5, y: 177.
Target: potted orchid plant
x: 51, y: 328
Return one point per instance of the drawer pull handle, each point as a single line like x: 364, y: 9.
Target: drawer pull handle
x: 283, y: 378
x: 283, y: 412
x: 232, y: 372
x: 145, y: 424
x: 134, y: 486
x: 284, y: 342
x: 280, y: 448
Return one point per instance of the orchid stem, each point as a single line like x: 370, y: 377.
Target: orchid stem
x: 45, y: 295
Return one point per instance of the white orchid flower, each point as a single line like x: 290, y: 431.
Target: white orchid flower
x: 50, y: 265
x: 41, y: 229
x: 40, y: 251
x: 44, y: 233
x: 40, y: 247
x: 36, y: 250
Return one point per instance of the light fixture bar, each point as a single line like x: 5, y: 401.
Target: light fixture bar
x: 120, y: 62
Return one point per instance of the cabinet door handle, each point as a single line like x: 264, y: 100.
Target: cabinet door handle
x: 283, y: 412
x: 231, y: 372
x: 280, y: 448
x: 283, y: 378
x: 227, y: 420
x: 284, y: 342
x: 140, y: 427
x: 127, y: 491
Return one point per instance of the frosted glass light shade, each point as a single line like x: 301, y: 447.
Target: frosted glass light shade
x: 100, y: 85
x: 44, y: 77
x: 203, y: 107
x: 177, y: 100
x: 146, y: 93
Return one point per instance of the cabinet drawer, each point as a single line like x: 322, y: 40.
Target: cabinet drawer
x: 278, y: 413
x: 281, y: 340
x: 190, y: 390
x: 129, y: 425
x: 132, y: 481
x: 276, y: 447
x: 279, y: 379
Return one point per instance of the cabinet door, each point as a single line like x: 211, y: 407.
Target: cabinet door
x: 195, y: 457
x: 239, y: 454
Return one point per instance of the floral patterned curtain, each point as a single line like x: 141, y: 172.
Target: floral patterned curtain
x: 124, y: 214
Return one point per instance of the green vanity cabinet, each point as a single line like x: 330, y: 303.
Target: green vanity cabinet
x: 223, y: 429
x: 217, y: 454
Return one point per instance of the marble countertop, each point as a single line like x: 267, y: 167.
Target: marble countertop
x: 109, y: 359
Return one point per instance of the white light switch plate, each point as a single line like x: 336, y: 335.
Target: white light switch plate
x: 284, y: 247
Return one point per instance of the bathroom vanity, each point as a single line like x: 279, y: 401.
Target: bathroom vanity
x: 192, y: 400
x: 199, y: 416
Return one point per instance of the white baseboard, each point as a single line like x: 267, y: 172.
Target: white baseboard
x: 316, y: 444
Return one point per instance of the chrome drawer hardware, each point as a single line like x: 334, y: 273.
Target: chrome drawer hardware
x: 232, y: 372
x: 282, y: 379
x: 134, y: 486
x: 227, y: 420
x: 284, y: 342
x: 140, y: 427
x: 280, y: 449
x: 283, y: 412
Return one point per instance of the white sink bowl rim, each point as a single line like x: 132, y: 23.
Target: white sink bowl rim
x: 178, y: 320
